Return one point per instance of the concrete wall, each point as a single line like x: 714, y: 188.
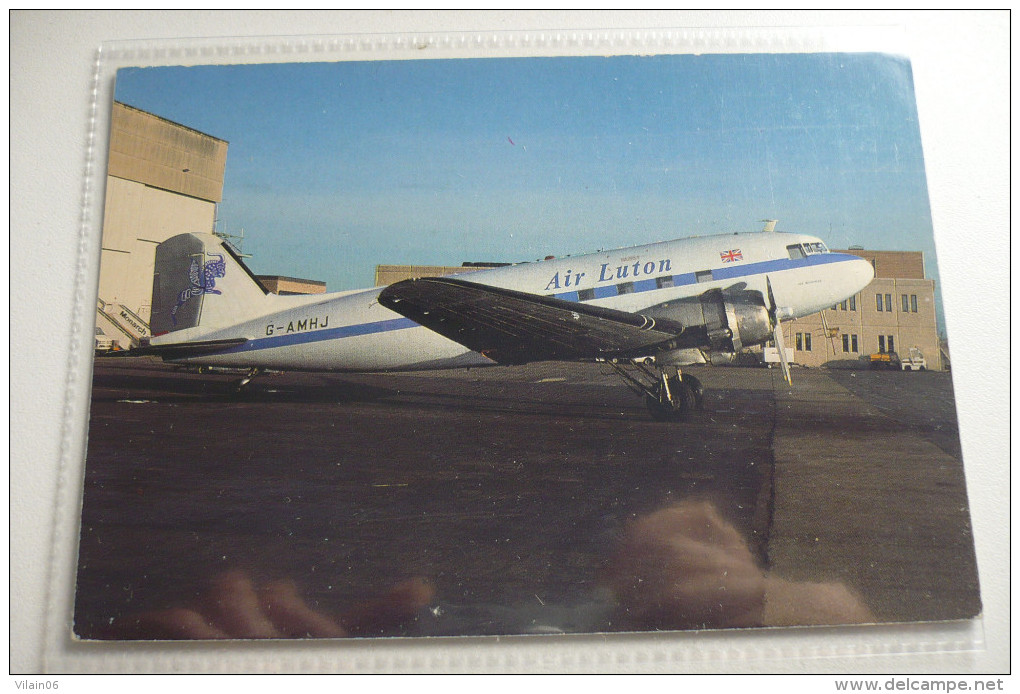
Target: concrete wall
x: 163, y: 179
x: 137, y: 217
x: 164, y: 154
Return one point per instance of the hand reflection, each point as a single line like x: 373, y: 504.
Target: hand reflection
x: 235, y: 608
x: 686, y: 567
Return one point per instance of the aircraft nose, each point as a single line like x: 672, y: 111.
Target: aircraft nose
x: 863, y: 273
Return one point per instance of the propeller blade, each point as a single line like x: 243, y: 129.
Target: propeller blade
x: 777, y: 336
x: 777, y: 332
x: 772, y: 299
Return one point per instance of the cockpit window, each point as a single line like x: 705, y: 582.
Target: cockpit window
x: 798, y: 251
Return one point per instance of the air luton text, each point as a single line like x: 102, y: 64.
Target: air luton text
x: 608, y: 274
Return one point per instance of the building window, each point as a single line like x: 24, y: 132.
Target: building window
x: 625, y: 288
x: 878, y: 305
x: 585, y: 294
x: 905, y: 303
x: 800, y: 342
x: 846, y: 342
x: 842, y: 306
x: 853, y: 343
x: 850, y: 343
x: 803, y: 342
x: 888, y: 303
x: 881, y: 344
x: 664, y: 282
x: 889, y: 342
x: 913, y: 303
x: 853, y: 304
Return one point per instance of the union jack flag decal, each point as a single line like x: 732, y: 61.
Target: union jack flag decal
x: 731, y: 256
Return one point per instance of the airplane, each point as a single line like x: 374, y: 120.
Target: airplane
x: 646, y: 311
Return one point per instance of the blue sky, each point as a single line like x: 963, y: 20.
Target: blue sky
x: 333, y: 168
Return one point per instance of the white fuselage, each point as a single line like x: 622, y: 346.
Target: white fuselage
x: 352, y: 332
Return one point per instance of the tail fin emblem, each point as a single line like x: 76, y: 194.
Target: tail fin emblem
x: 203, y: 281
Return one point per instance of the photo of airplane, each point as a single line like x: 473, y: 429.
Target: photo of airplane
x: 646, y: 311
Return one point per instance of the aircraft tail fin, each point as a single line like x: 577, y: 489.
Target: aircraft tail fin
x: 200, y: 282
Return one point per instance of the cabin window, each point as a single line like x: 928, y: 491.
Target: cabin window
x: 703, y: 276
x: 625, y: 288
x: 585, y: 294
x: 664, y: 282
x: 795, y: 251
x: 814, y: 248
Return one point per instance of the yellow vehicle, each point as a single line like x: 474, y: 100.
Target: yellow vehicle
x: 884, y: 360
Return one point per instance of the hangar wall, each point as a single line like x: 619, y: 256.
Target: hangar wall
x: 163, y: 179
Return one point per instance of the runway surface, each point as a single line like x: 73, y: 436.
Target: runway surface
x: 506, y: 491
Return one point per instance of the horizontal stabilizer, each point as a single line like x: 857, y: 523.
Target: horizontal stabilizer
x: 513, y: 327
x: 185, y: 350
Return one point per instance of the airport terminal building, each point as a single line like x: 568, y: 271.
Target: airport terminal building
x: 894, y: 313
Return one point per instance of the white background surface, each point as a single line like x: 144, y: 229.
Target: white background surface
x: 962, y: 80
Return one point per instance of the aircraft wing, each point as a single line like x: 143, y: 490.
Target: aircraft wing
x: 513, y: 327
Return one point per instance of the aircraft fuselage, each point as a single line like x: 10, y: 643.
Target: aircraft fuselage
x: 351, y: 331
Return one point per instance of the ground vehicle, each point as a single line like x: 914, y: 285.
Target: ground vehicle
x: 770, y: 356
x: 884, y: 360
x: 914, y: 362
x: 103, y: 343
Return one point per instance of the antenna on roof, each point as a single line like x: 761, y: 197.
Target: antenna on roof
x: 770, y: 225
x: 236, y: 241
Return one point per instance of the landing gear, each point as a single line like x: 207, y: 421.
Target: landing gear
x: 241, y: 385
x: 674, y: 398
x: 669, y: 397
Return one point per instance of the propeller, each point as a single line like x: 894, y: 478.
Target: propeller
x: 777, y: 332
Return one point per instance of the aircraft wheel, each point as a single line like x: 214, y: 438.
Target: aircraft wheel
x: 696, y: 389
x: 684, y: 401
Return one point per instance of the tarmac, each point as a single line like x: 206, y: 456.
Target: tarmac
x: 508, y: 491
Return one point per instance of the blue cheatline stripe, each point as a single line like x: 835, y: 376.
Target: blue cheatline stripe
x: 727, y: 272
x: 324, y: 334
x: 602, y: 292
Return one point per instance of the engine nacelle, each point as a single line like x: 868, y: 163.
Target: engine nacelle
x: 719, y: 321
